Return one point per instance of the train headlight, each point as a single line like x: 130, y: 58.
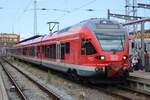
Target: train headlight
x: 124, y: 57
x: 102, y: 57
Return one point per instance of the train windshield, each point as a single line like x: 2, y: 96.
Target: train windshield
x: 111, y: 41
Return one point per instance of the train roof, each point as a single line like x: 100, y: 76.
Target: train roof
x: 31, y: 38
x: 90, y: 23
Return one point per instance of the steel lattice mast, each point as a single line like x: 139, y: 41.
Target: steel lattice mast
x: 35, y: 18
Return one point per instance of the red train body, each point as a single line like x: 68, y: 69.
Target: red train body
x: 92, y: 47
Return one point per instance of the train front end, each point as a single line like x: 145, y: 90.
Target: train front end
x: 114, y: 52
x: 112, y: 46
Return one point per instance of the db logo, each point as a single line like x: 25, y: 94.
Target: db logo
x: 91, y: 58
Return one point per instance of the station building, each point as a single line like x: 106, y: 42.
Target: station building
x: 7, y: 40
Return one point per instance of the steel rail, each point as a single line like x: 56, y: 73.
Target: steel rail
x: 109, y: 92
x: 97, y: 88
x: 50, y: 93
x: 19, y: 91
x: 147, y: 94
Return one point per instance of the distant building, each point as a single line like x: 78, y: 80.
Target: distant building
x: 7, y: 40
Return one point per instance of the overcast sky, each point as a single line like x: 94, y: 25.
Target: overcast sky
x: 17, y: 15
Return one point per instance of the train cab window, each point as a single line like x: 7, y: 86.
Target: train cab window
x: 67, y: 47
x: 82, y: 46
x: 89, y: 48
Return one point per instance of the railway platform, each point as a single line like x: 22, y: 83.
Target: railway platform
x: 140, y: 80
x: 3, y: 94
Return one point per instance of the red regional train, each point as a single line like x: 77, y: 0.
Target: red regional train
x: 93, y: 47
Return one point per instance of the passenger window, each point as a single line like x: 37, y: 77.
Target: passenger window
x: 38, y: 50
x: 47, y: 51
x: 43, y: 50
x: 54, y: 51
x: 67, y: 47
x: 50, y: 51
x: 62, y: 51
x: 32, y: 51
x: 24, y: 50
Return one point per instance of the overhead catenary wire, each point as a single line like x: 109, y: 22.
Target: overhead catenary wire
x: 25, y: 9
x: 84, y: 5
x: 78, y: 8
x: 18, y: 18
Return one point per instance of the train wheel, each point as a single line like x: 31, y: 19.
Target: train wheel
x: 74, y: 75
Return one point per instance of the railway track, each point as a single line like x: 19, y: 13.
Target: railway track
x: 137, y: 91
x: 52, y: 95
x: 122, y: 93
x: 14, y: 83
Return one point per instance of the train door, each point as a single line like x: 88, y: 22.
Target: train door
x: 58, y: 51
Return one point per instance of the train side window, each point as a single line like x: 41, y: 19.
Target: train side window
x: 24, y: 51
x: 43, y: 50
x: 38, y: 50
x: 17, y: 51
x: 50, y: 51
x: 67, y: 47
x: 21, y: 51
x: 32, y: 51
x: 62, y: 51
x: 54, y: 51
x: 90, y: 48
x: 47, y: 51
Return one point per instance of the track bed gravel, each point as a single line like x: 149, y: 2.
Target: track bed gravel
x: 77, y: 91
x: 29, y: 88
